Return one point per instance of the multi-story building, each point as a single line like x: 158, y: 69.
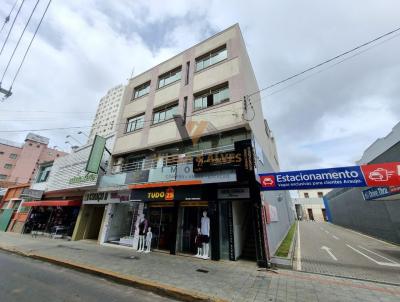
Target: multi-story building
x: 184, y: 149
x: 105, y: 121
x: 18, y: 162
x: 310, y: 205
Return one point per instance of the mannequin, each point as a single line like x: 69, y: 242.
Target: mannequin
x: 205, y: 232
x: 149, y: 236
x: 142, y: 225
x: 198, y: 241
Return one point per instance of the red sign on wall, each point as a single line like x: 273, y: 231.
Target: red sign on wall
x: 382, y: 175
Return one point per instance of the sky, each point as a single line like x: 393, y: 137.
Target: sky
x: 323, y: 119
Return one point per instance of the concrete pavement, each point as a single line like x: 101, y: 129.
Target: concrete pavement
x: 204, y: 280
x: 329, y: 249
x: 28, y: 280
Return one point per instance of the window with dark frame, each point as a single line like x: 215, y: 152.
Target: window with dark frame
x: 165, y: 113
x: 44, y: 173
x: 187, y: 72
x: 306, y: 195
x: 7, y: 166
x: 169, y: 77
x: 211, y: 58
x: 320, y: 194
x: 135, y: 123
x: 211, y: 98
x: 141, y: 90
x: 13, y: 156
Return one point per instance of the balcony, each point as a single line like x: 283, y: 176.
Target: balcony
x: 166, y: 168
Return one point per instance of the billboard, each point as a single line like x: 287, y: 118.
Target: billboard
x: 96, y: 154
x: 385, y: 174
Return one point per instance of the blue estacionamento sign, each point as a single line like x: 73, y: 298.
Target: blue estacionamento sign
x: 313, y: 179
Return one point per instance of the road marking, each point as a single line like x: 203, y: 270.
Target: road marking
x: 298, y: 248
x: 328, y: 250
x: 372, y: 252
x: 335, y: 237
x: 373, y: 260
x: 327, y: 232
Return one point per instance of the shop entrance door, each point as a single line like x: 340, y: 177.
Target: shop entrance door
x: 94, y: 223
x: 191, y: 213
x: 161, y: 223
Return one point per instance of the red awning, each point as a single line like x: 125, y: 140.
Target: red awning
x: 52, y: 203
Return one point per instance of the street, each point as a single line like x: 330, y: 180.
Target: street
x: 23, y: 279
x: 329, y: 249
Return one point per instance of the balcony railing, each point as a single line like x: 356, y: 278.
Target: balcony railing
x: 168, y: 160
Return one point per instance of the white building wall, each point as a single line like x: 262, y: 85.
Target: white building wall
x: 105, y: 121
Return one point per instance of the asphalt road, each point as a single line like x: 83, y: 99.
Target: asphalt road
x: 333, y: 250
x: 23, y: 279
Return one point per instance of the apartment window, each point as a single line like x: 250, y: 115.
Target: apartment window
x: 13, y: 156
x: 164, y: 114
x: 320, y: 194
x: 187, y: 72
x: 44, y: 173
x: 135, y: 123
x: 133, y: 163
x: 169, y: 77
x: 211, y: 98
x: 2, y: 176
x: 211, y: 58
x: 141, y: 90
x: 306, y: 195
x: 1, y: 152
x: 7, y: 166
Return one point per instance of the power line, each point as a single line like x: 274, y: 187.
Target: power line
x: 118, y: 124
x: 12, y: 26
x: 8, y: 16
x: 30, y: 43
x: 326, y: 61
x: 19, y: 40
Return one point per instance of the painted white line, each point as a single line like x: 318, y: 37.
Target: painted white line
x: 327, y: 232
x: 328, y: 250
x: 298, y: 248
x: 335, y: 237
x: 372, y: 252
x: 373, y: 260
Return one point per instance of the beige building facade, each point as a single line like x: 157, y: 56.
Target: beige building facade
x: 310, y: 205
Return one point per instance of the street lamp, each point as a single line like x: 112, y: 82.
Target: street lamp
x: 81, y: 132
x: 70, y: 136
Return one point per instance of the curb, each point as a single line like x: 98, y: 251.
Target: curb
x: 144, y: 284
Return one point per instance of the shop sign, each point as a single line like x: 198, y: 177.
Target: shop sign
x: 135, y: 177
x: 240, y: 159
x: 31, y: 193
x: 161, y: 174
x: 231, y: 236
x: 166, y: 194
x: 379, y: 192
x: 88, y: 177
x: 185, y: 172
x: 96, y: 155
x: 375, y: 175
x: 106, y: 197
x: 234, y: 193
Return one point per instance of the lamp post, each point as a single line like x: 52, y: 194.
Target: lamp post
x: 70, y: 136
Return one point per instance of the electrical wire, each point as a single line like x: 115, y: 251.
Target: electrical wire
x: 19, y: 40
x: 326, y: 61
x: 8, y: 16
x: 12, y: 26
x: 30, y: 44
x: 118, y: 124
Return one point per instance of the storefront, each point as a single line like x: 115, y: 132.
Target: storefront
x: 95, y: 213
x: 54, y: 217
x: 201, y: 221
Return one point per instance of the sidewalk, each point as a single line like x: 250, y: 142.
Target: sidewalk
x: 179, y: 277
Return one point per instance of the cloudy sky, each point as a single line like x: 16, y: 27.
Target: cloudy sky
x: 325, y: 119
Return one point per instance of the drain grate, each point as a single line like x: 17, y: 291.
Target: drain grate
x: 202, y: 271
